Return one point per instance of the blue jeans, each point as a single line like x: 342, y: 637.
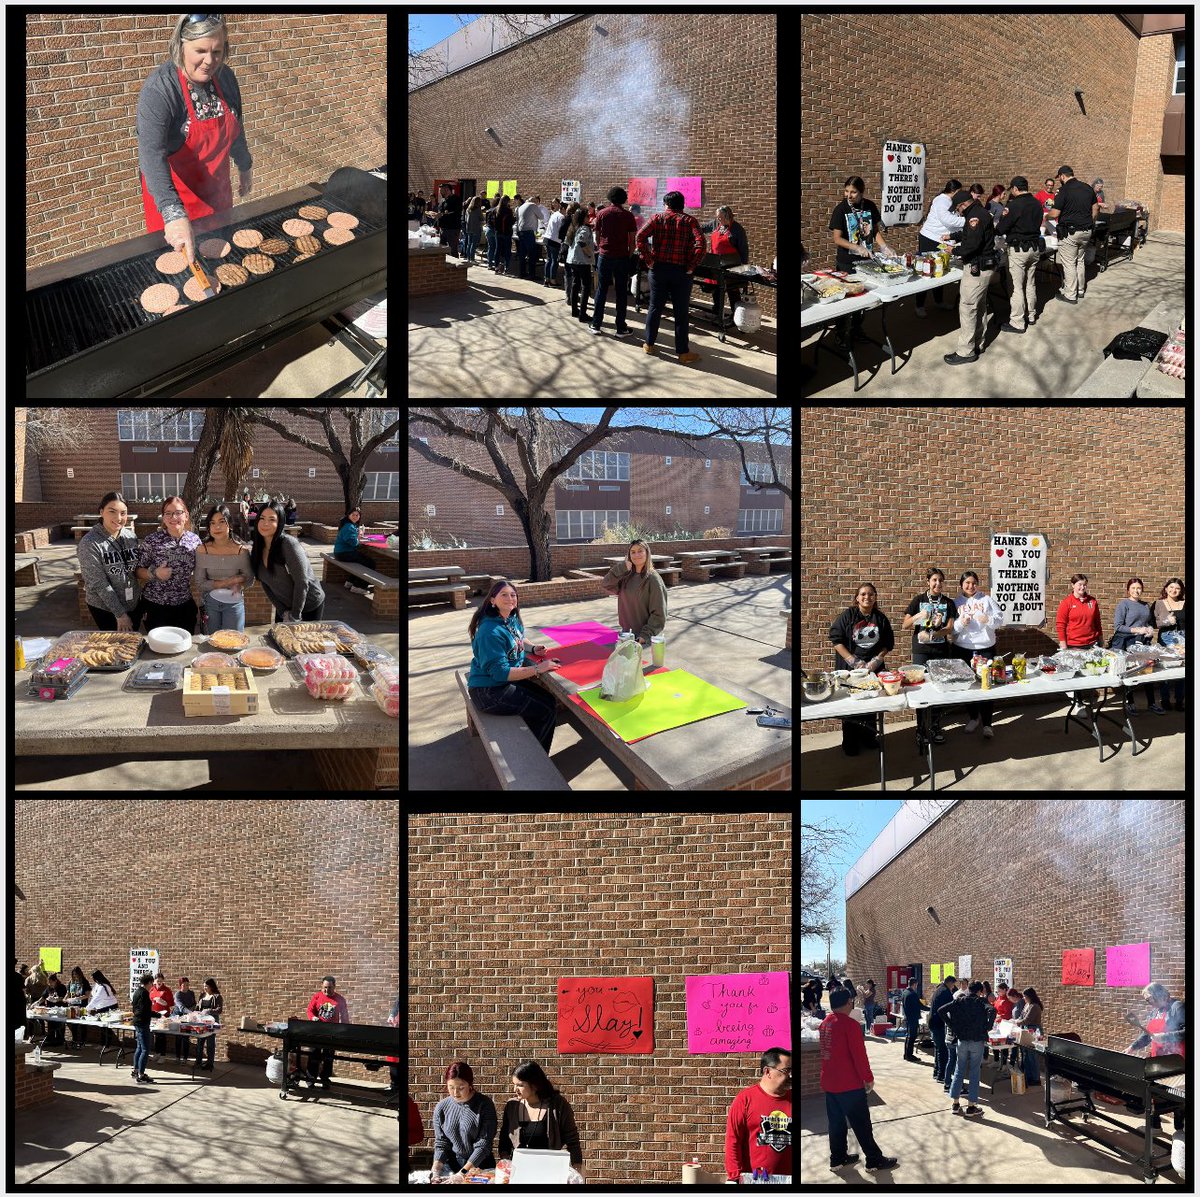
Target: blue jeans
x: 141, y: 1053
x: 970, y: 1057
x: 611, y: 270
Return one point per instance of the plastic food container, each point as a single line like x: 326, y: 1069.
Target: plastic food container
x: 950, y: 675
x: 327, y: 676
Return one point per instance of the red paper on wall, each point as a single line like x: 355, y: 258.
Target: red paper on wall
x: 1079, y: 966
x: 606, y: 1014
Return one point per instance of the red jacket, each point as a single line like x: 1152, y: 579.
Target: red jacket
x: 844, y: 1064
x: 758, y: 1133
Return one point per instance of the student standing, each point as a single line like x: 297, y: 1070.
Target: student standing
x: 758, y: 1128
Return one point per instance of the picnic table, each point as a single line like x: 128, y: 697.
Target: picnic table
x: 437, y: 582
x: 698, y: 565
x: 760, y: 558
x: 722, y: 752
x: 354, y: 744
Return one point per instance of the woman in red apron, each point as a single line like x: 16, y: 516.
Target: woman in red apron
x: 199, y: 168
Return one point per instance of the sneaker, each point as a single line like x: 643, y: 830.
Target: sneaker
x: 888, y: 1161
x: 851, y: 1158
x: 974, y: 1111
x: 956, y: 1108
x: 689, y: 357
x: 987, y: 732
x: 972, y: 724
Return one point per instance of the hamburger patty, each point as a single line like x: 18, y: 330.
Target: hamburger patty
x: 297, y: 228
x: 195, y: 292
x: 247, y: 238
x: 312, y: 212
x: 343, y: 220
x: 171, y: 262
x: 231, y: 275
x: 258, y: 263
x: 276, y: 245
x: 308, y: 245
x: 338, y: 236
x: 215, y: 247
x: 159, y: 297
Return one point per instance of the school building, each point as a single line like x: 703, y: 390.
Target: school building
x: 603, y: 98
x: 947, y: 879
x: 145, y: 454
x: 658, y: 482
x: 1101, y: 92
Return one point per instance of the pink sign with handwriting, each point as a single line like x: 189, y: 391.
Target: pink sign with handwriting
x: 1127, y: 964
x: 738, y: 1012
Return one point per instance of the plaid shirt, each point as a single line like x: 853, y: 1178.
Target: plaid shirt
x: 677, y: 239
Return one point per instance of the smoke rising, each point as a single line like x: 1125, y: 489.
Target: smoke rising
x: 624, y: 109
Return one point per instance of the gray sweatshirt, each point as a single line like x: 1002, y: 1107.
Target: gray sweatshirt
x: 291, y: 586
x: 107, y: 564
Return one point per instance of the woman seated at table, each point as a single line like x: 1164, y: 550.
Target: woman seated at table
x: 641, y: 593
x: 538, y: 1117
x: 498, y: 682
x: 345, y: 547
x: 223, y: 563
x: 862, y: 636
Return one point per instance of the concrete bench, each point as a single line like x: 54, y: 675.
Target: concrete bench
x: 670, y: 574
x: 25, y: 571
x: 703, y: 573
x: 518, y: 759
x: 387, y: 590
x: 424, y: 592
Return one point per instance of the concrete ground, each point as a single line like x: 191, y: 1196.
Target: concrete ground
x: 507, y: 337
x: 732, y: 621
x: 1050, y: 360
x: 1028, y: 752
x: 51, y: 608
x: 226, y: 1127
x: 1008, y: 1145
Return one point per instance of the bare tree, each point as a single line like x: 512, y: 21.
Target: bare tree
x: 544, y: 448
x: 821, y: 893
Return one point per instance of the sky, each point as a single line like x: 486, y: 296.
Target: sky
x: 863, y: 819
x: 426, y: 29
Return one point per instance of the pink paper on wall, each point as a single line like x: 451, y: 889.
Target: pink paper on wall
x: 641, y: 191
x: 1079, y: 966
x: 1127, y: 964
x: 738, y: 1012
x: 690, y: 185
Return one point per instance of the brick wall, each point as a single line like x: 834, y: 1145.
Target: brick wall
x: 267, y: 897
x: 889, y: 492
x: 503, y: 905
x: 81, y: 114
x: 429, y: 273
x: 1028, y: 879
x: 604, y: 100
x: 981, y: 134
x: 64, y: 482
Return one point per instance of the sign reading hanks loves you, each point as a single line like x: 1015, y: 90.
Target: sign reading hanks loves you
x: 903, y: 199
x: 1018, y: 572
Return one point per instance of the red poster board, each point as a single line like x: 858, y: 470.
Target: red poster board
x: 606, y: 1014
x: 1079, y: 966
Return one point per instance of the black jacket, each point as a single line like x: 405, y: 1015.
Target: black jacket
x: 979, y: 234
x: 970, y: 1018
x: 141, y: 1007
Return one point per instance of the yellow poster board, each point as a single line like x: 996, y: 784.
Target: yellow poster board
x: 51, y: 959
x: 493, y: 188
x: 510, y: 187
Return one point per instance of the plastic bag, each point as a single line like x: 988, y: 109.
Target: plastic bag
x: 623, y: 678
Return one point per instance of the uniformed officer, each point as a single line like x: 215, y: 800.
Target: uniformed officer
x: 978, y: 252
x: 1021, y: 225
x: 1075, y: 209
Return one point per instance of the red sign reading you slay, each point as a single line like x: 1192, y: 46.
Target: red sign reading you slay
x: 606, y: 1014
x: 1079, y: 966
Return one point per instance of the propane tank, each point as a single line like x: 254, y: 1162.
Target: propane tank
x: 747, y: 317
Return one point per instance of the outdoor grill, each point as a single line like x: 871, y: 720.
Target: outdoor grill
x: 1130, y: 1078
x: 343, y: 1037
x: 87, y: 335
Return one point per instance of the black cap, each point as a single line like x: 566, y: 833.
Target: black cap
x: 1020, y: 181
x: 1065, y: 170
x: 960, y: 197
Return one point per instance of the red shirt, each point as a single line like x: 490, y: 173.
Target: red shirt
x: 758, y: 1133
x: 161, y: 998
x: 613, y: 228
x: 844, y: 1063
x: 1004, y: 1008
x: 323, y: 1008
x: 1078, y: 621
x: 677, y: 239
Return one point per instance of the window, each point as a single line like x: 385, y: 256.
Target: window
x: 586, y: 525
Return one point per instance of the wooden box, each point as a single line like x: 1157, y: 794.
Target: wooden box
x: 215, y: 702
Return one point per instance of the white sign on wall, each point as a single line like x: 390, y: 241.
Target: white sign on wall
x: 1018, y: 576
x: 964, y: 967
x: 903, y: 200
x: 141, y: 960
x: 1002, y: 970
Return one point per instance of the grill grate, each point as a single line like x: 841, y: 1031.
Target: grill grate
x: 75, y: 314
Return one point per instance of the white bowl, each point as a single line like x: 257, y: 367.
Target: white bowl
x: 169, y: 640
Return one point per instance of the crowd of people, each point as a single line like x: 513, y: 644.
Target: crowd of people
x: 153, y: 998
x: 962, y: 1014
x: 469, y: 1135
x: 600, y: 246
x: 959, y: 626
